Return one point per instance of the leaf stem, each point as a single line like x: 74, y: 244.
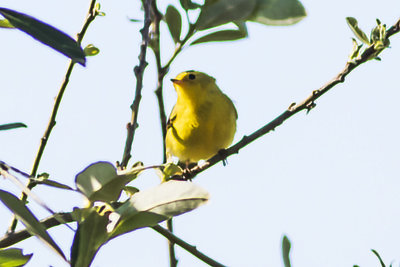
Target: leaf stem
x: 180, y: 45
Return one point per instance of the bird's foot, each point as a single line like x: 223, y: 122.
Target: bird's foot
x: 224, y: 155
x: 187, y: 174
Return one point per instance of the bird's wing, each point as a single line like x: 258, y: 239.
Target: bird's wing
x: 171, y: 118
x: 236, y: 113
x: 233, y: 106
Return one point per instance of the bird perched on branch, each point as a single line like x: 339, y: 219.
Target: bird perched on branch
x: 203, y: 120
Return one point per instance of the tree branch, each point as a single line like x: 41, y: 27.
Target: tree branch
x: 307, y: 104
x: 15, y: 237
x: 52, y: 122
x: 139, y: 70
x: 393, y: 30
x: 155, y: 46
x: 173, y: 261
x: 161, y: 72
x: 189, y: 248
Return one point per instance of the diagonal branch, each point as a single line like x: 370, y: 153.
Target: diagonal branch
x: 189, y: 248
x: 307, y: 104
x: 139, y: 70
x: 393, y: 30
x: 52, y: 122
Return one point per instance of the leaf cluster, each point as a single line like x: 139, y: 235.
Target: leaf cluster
x: 216, y: 13
x: 378, y: 39
x: 107, y: 215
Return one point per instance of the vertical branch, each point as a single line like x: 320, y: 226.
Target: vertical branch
x: 92, y: 13
x: 139, y: 70
x: 173, y: 262
x: 161, y: 72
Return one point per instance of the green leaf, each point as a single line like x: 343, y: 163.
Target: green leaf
x: 188, y: 4
x: 91, y: 50
x: 130, y: 190
x: 168, y: 170
x: 149, y: 207
x: 225, y: 35
x: 100, y: 181
x: 215, y: 13
x: 278, y: 12
x: 353, y: 24
x: 379, y: 257
x: 29, y: 220
x: 136, y: 20
x: 6, y: 24
x: 90, y: 236
x: 174, y: 22
x: 52, y: 183
x: 378, y: 37
x: 13, y: 257
x: 9, y: 126
x: 98, y: 11
x: 45, y: 34
x: 286, y: 251
x: 242, y: 27
x: 355, y: 52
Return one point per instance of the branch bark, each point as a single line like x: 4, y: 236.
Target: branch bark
x: 138, y: 70
x: 155, y: 46
x: 189, y: 248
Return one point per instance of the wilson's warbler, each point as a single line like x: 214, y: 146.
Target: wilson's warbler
x: 203, y: 120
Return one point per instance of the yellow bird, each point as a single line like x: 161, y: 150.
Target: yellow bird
x: 203, y: 120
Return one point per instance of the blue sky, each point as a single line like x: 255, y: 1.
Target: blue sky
x: 328, y: 180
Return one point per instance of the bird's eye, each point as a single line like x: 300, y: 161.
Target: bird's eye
x: 192, y: 76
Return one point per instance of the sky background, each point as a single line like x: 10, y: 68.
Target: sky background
x: 329, y: 180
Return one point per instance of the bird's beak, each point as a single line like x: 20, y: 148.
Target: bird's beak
x: 175, y: 81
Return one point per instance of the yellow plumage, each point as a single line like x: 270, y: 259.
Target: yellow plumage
x: 202, y: 122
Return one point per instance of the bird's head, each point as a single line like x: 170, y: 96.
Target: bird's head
x: 193, y: 83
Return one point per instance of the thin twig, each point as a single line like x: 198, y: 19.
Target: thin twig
x: 15, y: 237
x: 307, y: 104
x: 393, y: 30
x: 189, y: 248
x: 163, y: 70
x: 52, y: 122
x: 180, y: 45
x: 155, y: 46
x: 139, y: 70
x: 173, y: 261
